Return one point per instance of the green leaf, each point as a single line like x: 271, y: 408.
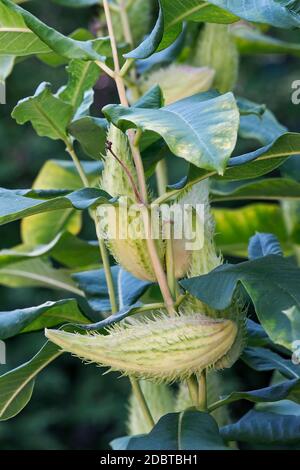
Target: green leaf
x: 234, y: 227
x: 268, y: 189
x: 46, y: 37
x: 128, y: 288
x: 273, y: 275
x: 47, y: 315
x: 252, y: 41
x: 201, y: 130
x: 262, y: 359
x: 264, y: 244
x: 15, y: 37
x: 248, y: 166
x: 16, y: 204
x: 16, y: 385
x: 273, y: 12
x: 57, y: 174
x: 48, y: 114
x: 264, y: 128
x: 37, y: 273
x: 76, y: 3
x: 91, y: 133
x: 264, y: 428
x: 288, y: 390
x: 65, y: 248
x: 189, y: 430
x: 82, y: 77
x: 172, y: 14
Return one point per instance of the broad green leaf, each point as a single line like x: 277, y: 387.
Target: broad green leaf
x: 288, y: 390
x: 201, y: 130
x: 47, y: 315
x: 91, y: 133
x: 37, y: 273
x: 23, y: 252
x: 15, y: 37
x: 65, y: 248
x: 262, y: 359
x: 48, y: 114
x: 189, y: 430
x: 256, y: 335
x: 264, y: 428
x: 93, y: 283
x: 281, y: 14
x: 252, y: 41
x: 16, y: 385
x: 264, y: 244
x: 16, y: 204
x: 248, y: 166
x: 57, y: 174
x: 234, y: 227
x: 55, y: 60
x: 268, y: 189
x: 272, y: 275
x: 82, y: 77
x: 75, y: 253
x: 48, y: 38
x: 172, y: 14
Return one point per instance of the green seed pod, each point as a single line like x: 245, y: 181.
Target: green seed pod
x: 129, y: 251
x: 160, y: 401
x: 216, y: 48
x: 162, y: 349
x: 179, y: 81
x: 203, y: 261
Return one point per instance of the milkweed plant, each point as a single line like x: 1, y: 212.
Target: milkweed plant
x: 180, y: 287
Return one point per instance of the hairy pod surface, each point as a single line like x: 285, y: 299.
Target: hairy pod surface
x: 129, y: 250
x: 163, y: 349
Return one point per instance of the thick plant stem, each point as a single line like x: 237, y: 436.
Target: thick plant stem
x: 103, y: 249
x: 202, y: 391
x: 192, y: 384
x: 136, y: 388
x: 156, y: 263
x: 161, y: 177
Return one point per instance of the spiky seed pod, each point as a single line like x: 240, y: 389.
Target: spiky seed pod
x: 203, y: 261
x: 114, y: 179
x: 131, y: 251
x: 162, y: 349
x: 160, y: 401
x: 179, y: 81
x: 216, y: 48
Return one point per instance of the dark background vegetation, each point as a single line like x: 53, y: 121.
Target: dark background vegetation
x: 75, y: 406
